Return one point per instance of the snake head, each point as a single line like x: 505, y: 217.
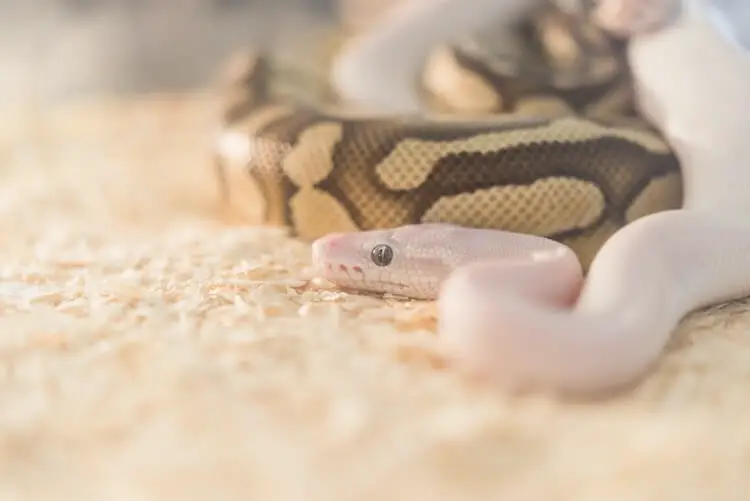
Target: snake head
x: 408, y: 261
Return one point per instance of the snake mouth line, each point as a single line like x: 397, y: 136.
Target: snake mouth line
x: 354, y: 279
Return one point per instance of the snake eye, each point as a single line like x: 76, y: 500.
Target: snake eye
x: 381, y: 255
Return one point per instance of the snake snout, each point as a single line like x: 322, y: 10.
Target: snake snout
x: 326, y: 249
x: 333, y: 260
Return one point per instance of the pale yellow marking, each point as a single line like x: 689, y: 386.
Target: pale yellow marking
x: 662, y: 194
x: 316, y: 213
x: 375, y: 208
x: 459, y: 89
x: 558, y: 41
x: 549, y: 205
x: 542, y: 106
x: 311, y: 159
x: 411, y: 161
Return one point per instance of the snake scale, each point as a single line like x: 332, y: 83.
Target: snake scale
x: 541, y: 138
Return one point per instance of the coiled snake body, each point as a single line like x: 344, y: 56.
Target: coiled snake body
x: 659, y: 237
x: 565, y: 159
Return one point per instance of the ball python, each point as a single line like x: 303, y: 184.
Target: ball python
x: 531, y: 321
x: 540, y: 138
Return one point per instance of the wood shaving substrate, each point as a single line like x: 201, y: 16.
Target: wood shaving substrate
x: 153, y: 349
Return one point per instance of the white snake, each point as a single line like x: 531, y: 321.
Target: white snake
x: 514, y: 307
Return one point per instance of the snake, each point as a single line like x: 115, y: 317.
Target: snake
x: 563, y: 245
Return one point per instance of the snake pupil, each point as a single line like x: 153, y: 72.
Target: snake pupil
x: 382, y: 255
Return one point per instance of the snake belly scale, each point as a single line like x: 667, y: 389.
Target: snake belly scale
x: 318, y: 170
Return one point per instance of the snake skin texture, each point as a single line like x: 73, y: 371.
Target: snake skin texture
x: 539, y: 136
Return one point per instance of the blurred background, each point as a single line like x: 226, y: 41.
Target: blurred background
x: 74, y: 124
x: 53, y: 50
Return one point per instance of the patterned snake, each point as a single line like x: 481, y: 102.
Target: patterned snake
x: 541, y: 159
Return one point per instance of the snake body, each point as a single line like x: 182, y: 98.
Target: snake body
x: 516, y: 307
x: 552, y: 150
